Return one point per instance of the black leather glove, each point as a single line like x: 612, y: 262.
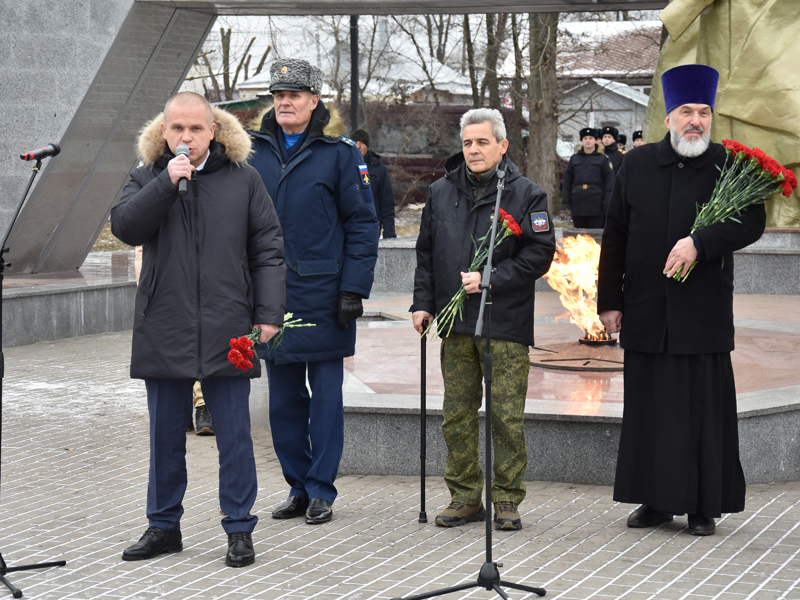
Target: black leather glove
x: 350, y: 308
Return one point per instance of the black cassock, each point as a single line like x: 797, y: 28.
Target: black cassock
x: 679, y: 449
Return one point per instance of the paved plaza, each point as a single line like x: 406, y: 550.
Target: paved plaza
x: 74, y: 477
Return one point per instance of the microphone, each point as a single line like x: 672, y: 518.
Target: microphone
x: 182, y: 150
x: 44, y: 152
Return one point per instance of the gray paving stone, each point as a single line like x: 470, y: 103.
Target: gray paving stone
x: 74, y: 481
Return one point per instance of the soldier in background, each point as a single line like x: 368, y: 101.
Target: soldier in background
x: 609, y: 139
x: 638, y: 140
x: 622, y: 139
x: 588, y: 183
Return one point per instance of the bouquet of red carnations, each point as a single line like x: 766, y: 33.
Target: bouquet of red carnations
x: 445, y: 319
x: 750, y: 178
x: 242, y: 348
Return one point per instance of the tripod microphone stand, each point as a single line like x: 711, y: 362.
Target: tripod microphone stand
x: 489, y: 575
x: 4, y: 569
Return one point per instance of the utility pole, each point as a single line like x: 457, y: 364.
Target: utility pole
x: 353, y: 72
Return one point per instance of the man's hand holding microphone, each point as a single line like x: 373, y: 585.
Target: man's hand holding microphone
x: 180, y: 169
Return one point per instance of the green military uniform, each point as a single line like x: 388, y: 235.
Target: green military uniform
x: 462, y: 369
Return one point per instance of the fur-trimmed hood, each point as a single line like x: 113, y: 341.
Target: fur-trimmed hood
x: 229, y: 133
x: 331, y: 120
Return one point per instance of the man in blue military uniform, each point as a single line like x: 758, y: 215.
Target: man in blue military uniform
x: 320, y: 187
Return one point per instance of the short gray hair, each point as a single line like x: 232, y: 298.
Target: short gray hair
x: 476, y: 116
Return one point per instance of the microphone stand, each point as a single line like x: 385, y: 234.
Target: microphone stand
x: 4, y: 569
x: 489, y: 575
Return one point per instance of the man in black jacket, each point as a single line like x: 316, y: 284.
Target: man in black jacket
x: 588, y: 182
x: 458, y: 209
x: 609, y: 137
x: 212, y: 268
x: 679, y: 449
x: 381, y: 183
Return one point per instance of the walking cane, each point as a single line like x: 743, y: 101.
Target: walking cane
x: 423, y: 414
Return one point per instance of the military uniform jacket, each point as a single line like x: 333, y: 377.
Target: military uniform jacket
x: 450, y: 221
x: 653, y: 206
x: 615, y: 156
x: 588, y: 183
x: 327, y: 214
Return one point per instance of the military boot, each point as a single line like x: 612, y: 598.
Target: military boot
x: 506, y: 516
x: 458, y: 513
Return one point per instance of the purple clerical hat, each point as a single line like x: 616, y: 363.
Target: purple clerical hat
x: 690, y: 84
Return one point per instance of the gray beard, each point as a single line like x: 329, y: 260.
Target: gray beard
x: 687, y: 148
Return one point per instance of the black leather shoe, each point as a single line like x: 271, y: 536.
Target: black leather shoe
x: 319, y: 511
x: 295, y: 506
x: 700, y: 525
x: 155, y: 541
x: 202, y: 421
x: 648, y: 516
x: 240, y: 550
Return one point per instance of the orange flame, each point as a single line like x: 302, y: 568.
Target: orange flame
x: 573, y: 275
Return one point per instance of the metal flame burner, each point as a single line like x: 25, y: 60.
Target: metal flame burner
x: 590, y: 342
x: 583, y: 355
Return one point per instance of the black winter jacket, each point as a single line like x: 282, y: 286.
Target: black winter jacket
x: 450, y: 221
x: 382, y: 192
x: 615, y: 157
x: 212, y: 264
x: 588, y: 183
x: 653, y: 206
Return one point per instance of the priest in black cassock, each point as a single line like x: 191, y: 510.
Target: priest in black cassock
x: 679, y: 448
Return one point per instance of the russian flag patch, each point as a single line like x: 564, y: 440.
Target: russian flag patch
x: 364, y: 174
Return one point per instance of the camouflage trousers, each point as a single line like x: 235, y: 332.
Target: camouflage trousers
x: 462, y: 368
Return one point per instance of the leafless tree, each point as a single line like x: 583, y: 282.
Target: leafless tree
x: 232, y: 63
x: 543, y: 106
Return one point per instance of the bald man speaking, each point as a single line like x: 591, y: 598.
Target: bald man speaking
x: 212, y: 268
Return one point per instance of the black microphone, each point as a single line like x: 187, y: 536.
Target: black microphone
x: 44, y: 152
x: 182, y: 150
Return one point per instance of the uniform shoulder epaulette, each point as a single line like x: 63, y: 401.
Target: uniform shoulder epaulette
x: 623, y: 151
x: 346, y: 140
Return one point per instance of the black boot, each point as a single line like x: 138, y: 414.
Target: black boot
x: 240, y: 550
x: 202, y: 421
x: 155, y: 541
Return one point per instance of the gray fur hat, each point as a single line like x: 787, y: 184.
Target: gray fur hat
x: 296, y: 75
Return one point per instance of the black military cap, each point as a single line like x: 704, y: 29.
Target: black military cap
x: 295, y: 75
x: 611, y: 131
x: 588, y: 131
x: 637, y: 135
x: 622, y: 139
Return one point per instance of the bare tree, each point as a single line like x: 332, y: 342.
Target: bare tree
x: 542, y: 102
x: 473, y: 78
x: 517, y: 148
x: 495, y: 36
x: 423, y: 63
x: 230, y: 67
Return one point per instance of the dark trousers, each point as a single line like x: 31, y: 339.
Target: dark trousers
x: 170, y: 405
x: 590, y: 222
x: 307, y: 428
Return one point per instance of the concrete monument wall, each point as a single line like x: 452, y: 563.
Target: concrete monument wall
x: 92, y: 73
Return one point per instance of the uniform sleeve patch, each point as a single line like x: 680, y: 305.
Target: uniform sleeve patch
x: 540, y: 222
x: 364, y: 174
